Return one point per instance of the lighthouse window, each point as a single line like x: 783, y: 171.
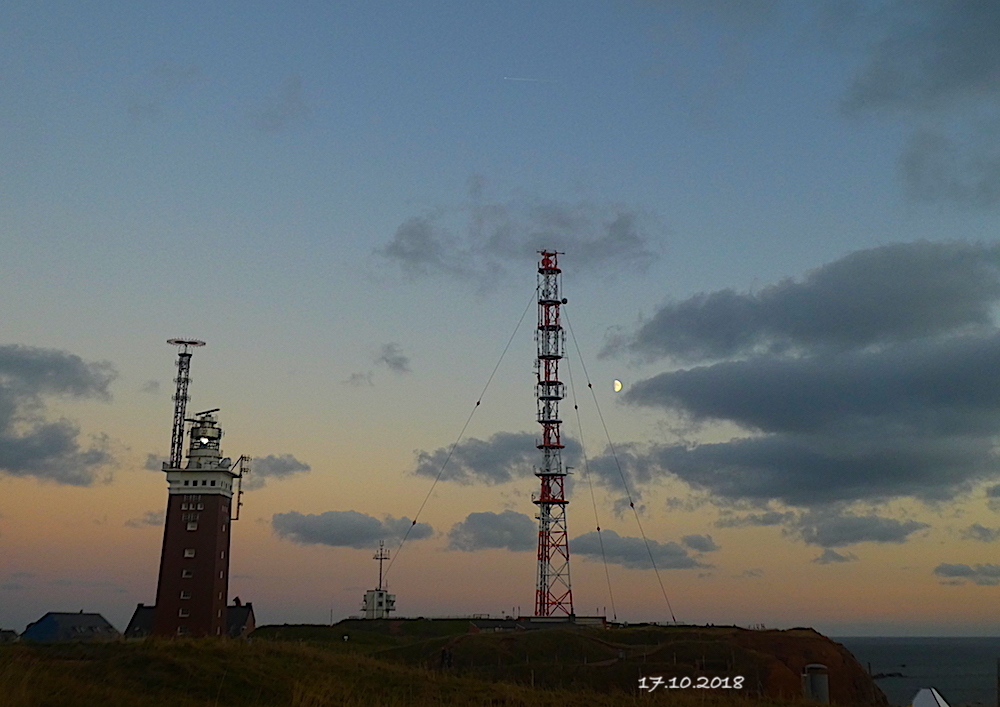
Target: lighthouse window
x: 213, y: 482
x: 189, y: 552
x: 187, y: 482
x: 183, y: 613
x: 192, y: 525
x: 182, y: 630
x: 187, y: 574
x: 185, y: 595
x: 223, y: 555
x: 201, y: 506
x: 204, y: 482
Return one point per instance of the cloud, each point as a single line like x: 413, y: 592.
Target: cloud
x: 836, y: 404
x: 819, y: 393
x: 832, y: 556
x: 755, y: 519
x: 284, y: 108
x: 391, y: 356
x: 31, y: 445
x: 154, y: 518
x: 830, y: 527
x: 273, y: 466
x: 628, y: 460
x: 481, y: 531
x: 631, y: 552
x: 983, y: 575
x: 937, y: 167
x: 932, y: 54
x: 154, y: 462
x: 700, y: 543
x: 503, y: 457
x: 508, y: 456
x: 817, y: 469
x: 152, y: 387
x: 836, y: 530
x: 479, y: 239
x: 879, y: 296
x: 981, y: 533
x: 419, y: 248
x: 938, y: 61
x: 359, y: 379
x: 345, y: 528
x: 12, y: 587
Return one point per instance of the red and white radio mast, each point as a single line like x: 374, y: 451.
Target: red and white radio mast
x: 553, y: 594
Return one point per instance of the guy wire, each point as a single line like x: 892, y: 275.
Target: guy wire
x: 464, y: 428
x: 590, y: 483
x: 621, y: 473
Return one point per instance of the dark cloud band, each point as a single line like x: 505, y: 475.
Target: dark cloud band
x: 345, y: 528
x: 482, y: 531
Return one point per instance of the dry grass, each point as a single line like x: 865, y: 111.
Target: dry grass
x: 210, y: 673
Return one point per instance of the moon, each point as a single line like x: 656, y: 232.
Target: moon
x: 617, y: 385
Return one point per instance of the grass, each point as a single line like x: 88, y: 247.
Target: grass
x: 382, y: 664
x: 210, y: 673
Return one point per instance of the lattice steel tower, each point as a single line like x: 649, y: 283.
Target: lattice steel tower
x: 553, y: 594
x: 181, y: 397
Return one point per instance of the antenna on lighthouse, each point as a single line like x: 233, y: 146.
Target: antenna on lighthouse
x: 181, y: 397
x: 552, y: 591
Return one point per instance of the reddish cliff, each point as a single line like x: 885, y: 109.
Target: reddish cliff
x: 786, y: 653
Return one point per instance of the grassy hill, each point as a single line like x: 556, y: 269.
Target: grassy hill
x: 382, y: 664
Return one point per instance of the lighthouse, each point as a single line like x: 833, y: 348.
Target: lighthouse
x: 193, y: 584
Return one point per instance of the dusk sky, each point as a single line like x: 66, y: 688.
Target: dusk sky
x: 780, y: 225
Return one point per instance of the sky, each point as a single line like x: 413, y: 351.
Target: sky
x: 780, y: 226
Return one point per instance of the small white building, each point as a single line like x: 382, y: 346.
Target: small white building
x: 378, y: 603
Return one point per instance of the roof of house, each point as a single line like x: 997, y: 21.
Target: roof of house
x: 238, y: 617
x: 929, y: 697
x: 65, y: 626
x: 141, y: 623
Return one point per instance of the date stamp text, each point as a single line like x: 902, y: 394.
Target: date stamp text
x: 684, y: 683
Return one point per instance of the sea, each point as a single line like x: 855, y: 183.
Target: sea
x: 963, y: 670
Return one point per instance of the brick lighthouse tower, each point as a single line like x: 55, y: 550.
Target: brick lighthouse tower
x: 193, y: 585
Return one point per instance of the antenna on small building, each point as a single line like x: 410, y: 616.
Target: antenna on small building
x: 379, y: 602
x: 382, y: 555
